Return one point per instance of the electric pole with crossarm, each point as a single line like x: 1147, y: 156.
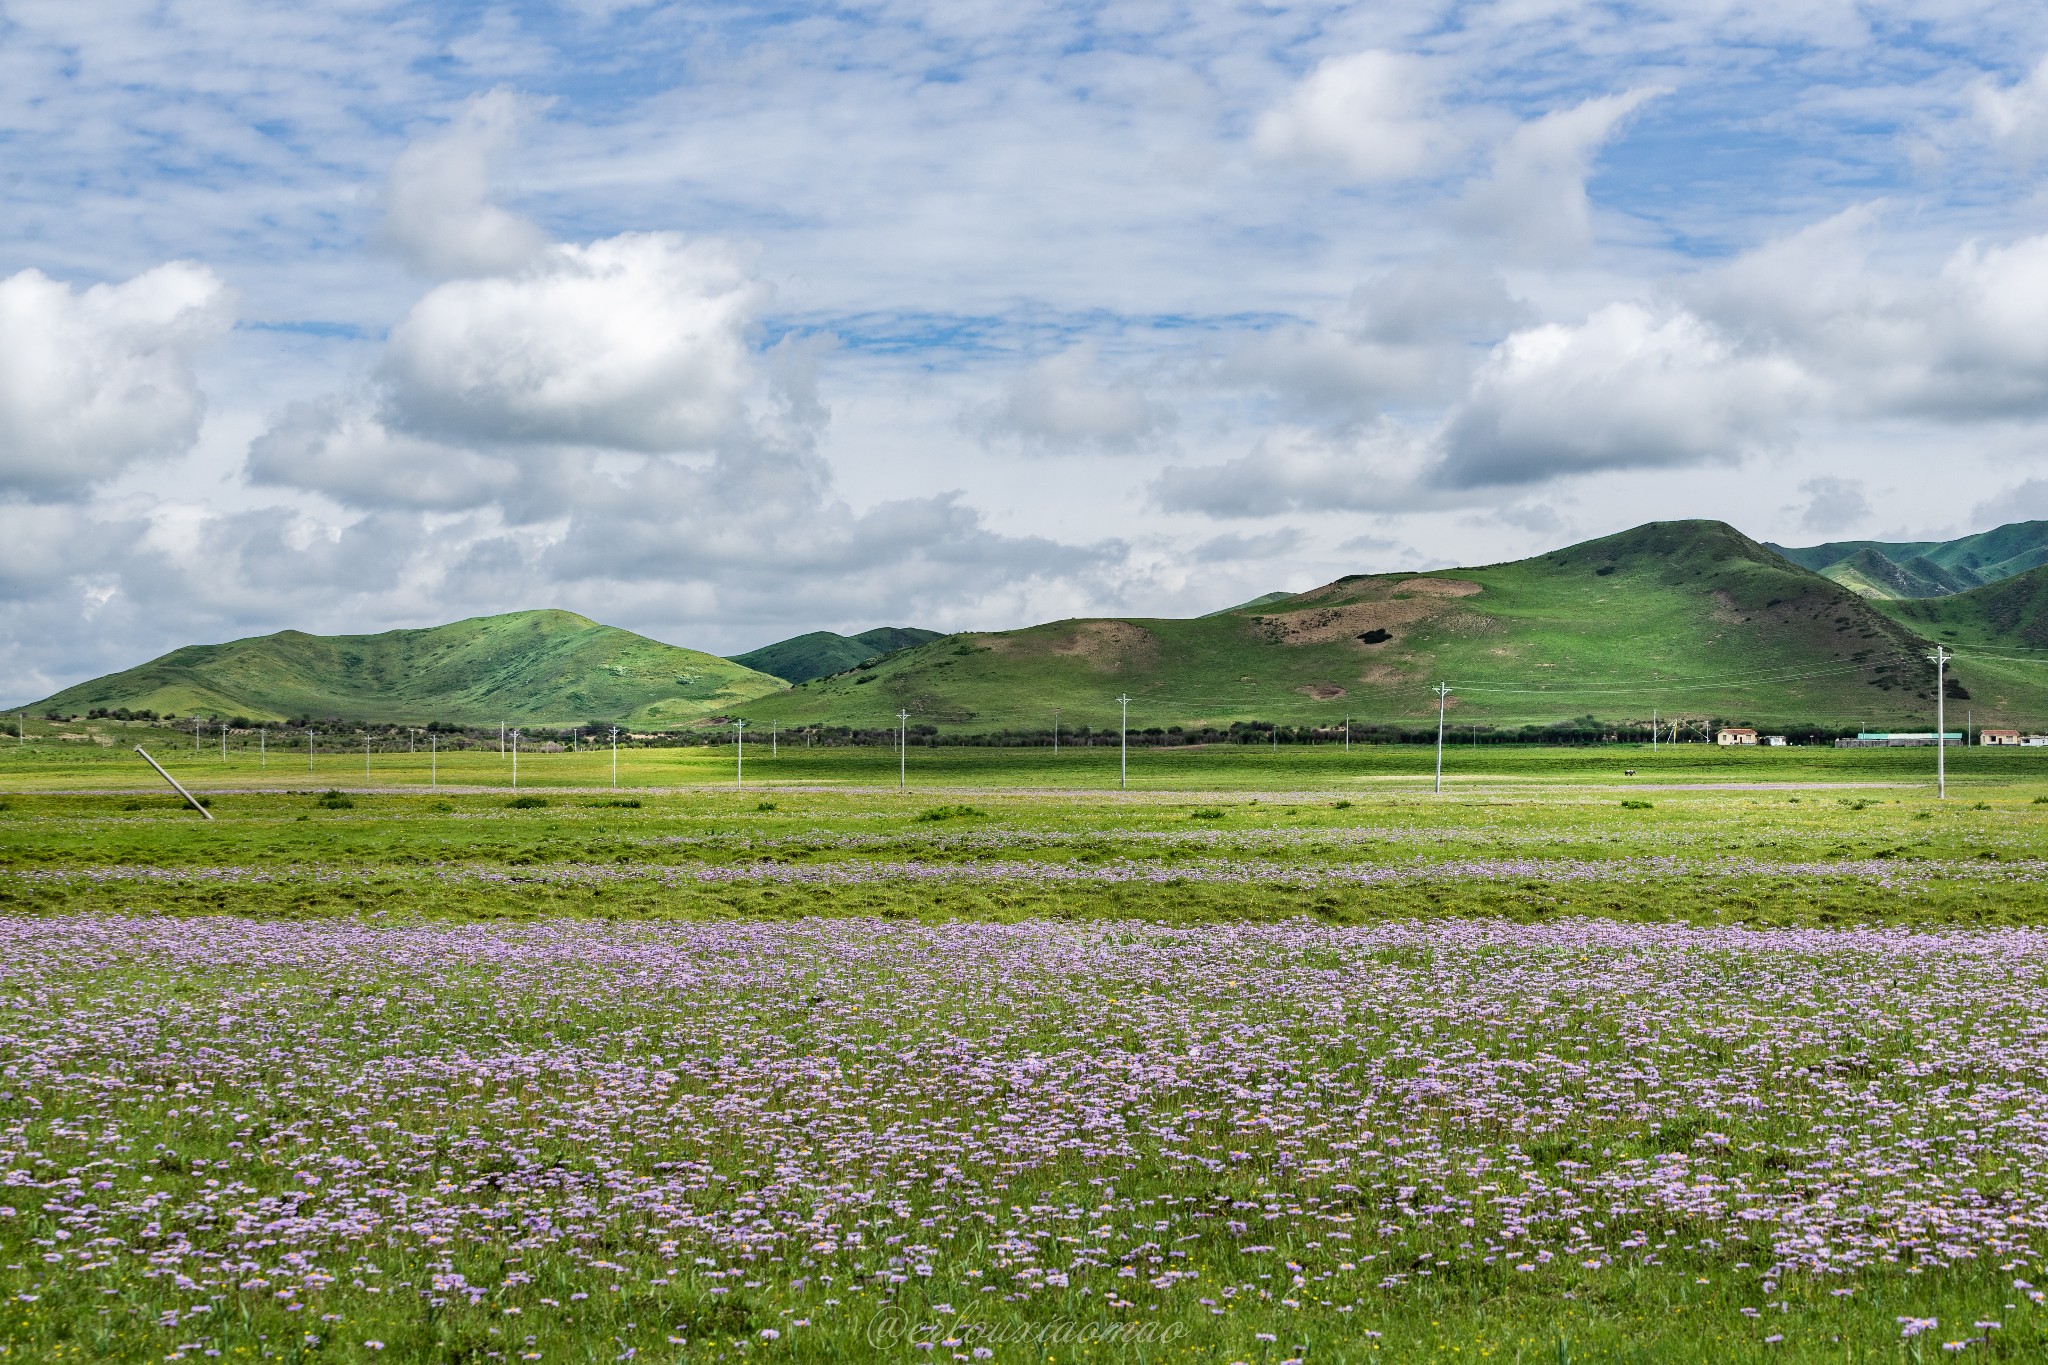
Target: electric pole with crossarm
x: 1941, y: 657
x: 1443, y: 693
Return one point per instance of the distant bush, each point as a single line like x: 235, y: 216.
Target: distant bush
x: 1205, y: 813
x: 2041, y: 800
x: 1342, y: 805
x: 1635, y: 805
x: 526, y: 803
x: 949, y: 813
x: 765, y: 805
x: 439, y: 807
x: 621, y: 805
x: 335, y: 801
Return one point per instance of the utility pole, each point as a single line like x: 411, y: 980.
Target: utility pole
x: 1653, y: 729
x: 615, y: 758
x: 223, y: 741
x: 309, y: 749
x: 1123, y: 779
x: 902, y: 750
x: 501, y: 739
x: 515, y: 758
x: 1055, y: 731
x: 1443, y: 693
x: 1941, y: 656
x: 775, y: 739
x: 262, y: 743
x: 433, y: 759
x: 739, y: 753
x: 366, y: 755
x: 1347, y: 734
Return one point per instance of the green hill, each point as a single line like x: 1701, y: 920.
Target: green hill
x: 822, y: 653
x: 527, y: 667
x: 1264, y: 599
x: 1690, y: 618
x: 1927, y: 568
x: 2000, y: 635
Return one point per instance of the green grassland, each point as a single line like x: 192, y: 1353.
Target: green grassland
x: 99, y: 755
x: 207, y: 1102
x: 527, y: 667
x: 1689, y: 618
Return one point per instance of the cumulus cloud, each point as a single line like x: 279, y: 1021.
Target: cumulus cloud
x: 1233, y: 547
x: 92, y: 380
x: 1066, y: 402
x: 1374, y: 113
x: 437, y: 209
x: 1404, y: 336
x: 635, y: 342
x: 1627, y: 388
x: 1293, y: 468
x: 344, y: 451
x: 1534, y: 198
x: 2016, y: 115
x: 1832, y: 504
x: 1967, y: 342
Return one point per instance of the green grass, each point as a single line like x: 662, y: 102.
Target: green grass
x: 99, y: 754
x: 527, y: 667
x: 306, y: 1014
x: 1690, y: 618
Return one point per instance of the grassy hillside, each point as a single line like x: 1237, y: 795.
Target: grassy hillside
x: 1691, y: 618
x: 2000, y: 635
x: 527, y: 667
x: 1927, y: 568
x: 822, y: 653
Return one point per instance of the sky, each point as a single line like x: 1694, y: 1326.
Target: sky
x: 723, y: 322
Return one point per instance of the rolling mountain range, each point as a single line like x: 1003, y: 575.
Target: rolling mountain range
x: 822, y: 653
x: 525, y: 667
x: 1686, y: 618
x: 1927, y: 568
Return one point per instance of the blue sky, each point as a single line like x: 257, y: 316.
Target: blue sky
x: 725, y: 322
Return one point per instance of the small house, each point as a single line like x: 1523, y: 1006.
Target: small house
x: 1998, y: 737
x: 1735, y: 734
x: 1774, y: 741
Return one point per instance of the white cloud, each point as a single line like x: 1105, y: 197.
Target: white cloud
x: 1233, y: 547
x: 1833, y: 504
x: 92, y: 380
x: 437, y: 209
x: 1535, y: 196
x: 1404, y: 336
x: 2016, y: 115
x: 1965, y: 343
x: 1374, y: 113
x: 1064, y: 402
x: 343, y: 451
x: 1627, y: 388
x: 1380, y: 468
x: 636, y: 342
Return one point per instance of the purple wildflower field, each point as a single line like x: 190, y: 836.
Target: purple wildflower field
x: 834, y: 1138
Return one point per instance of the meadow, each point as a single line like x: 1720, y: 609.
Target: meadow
x: 1282, y: 1058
